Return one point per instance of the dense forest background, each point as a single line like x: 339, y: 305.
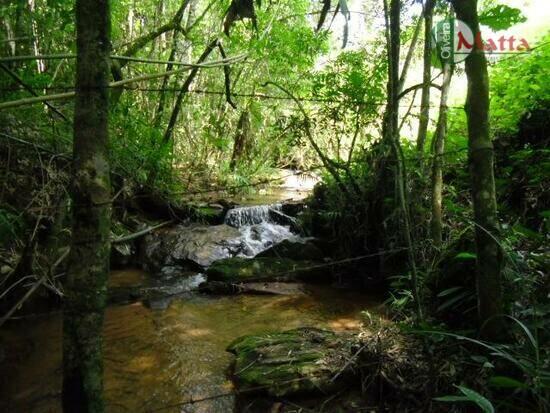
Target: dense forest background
x: 441, y: 205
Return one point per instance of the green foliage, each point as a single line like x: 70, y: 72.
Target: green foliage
x: 526, y: 357
x: 518, y: 84
x: 469, y: 395
x: 11, y: 225
x: 501, y: 17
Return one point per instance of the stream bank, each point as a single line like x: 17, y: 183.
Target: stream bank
x: 157, y: 358
x: 165, y: 341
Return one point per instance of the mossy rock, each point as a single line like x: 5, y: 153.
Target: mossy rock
x: 264, y: 268
x: 300, y: 361
x: 294, y: 250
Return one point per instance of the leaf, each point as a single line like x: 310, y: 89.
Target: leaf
x: 506, y: 382
x: 451, y: 399
x: 485, y: 405
x: 454, y: 300
x: 479, y: 359
x: 449, y: 291
x: 466, y: 256
x: 501, y: 17
x: 528, y: 333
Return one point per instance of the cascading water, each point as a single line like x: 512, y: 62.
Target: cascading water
x: 250, y: 215
x: 258, y: 228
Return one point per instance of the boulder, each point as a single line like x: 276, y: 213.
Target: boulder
x: 193, y: 247
x: 300, y: 361
x: 209, y: 213
x: 292, y: 207
x: 238, y: 270
x: 204, y: 245
x: 295, y: 250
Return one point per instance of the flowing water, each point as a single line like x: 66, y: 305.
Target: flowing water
x: 161, y: 359
x: 258, y: 229
x: 157, y: 359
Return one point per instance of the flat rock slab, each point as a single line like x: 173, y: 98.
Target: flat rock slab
x: 300, y: 361
x: 258, y: 288
x: 236, y: 270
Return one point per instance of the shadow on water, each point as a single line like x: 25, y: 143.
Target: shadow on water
x: 159, y: 358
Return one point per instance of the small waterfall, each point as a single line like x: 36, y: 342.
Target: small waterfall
x: 250, y: 215
x: 261, y: 227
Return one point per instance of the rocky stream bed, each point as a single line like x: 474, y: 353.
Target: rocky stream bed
x: 219, y: 317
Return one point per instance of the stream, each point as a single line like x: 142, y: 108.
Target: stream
x: 159, y: 359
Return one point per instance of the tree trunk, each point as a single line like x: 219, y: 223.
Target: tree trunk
x: 392, y: 139
x: 169, y: 66
x: 22, y: 33
x: 40, y: 64
x: 480, y: 154
x: 183, y: 91
x: 85, y: 290
x: 242, y: 137
x: 426, y: 78
x: 131, y: 16
x: 437, y: 162
x: 410, y: 53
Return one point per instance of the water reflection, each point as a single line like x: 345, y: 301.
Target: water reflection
x: 156, y: 359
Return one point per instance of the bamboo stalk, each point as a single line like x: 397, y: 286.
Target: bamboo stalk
x: 69, y: 95
x: 113, y: 57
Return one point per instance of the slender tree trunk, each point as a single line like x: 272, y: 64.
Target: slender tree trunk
x: 11, y: 44
x: 22, y: 33
x: 241, y: 141
x: 391, y: 138
x: 408, y: 58
x: 86, y: 287
x: 169, y: 66
x: 480, y: 154
x: 131, y: 20
x: 437, y: 161
x: 426, y: 78
x: 184, y: 89
x: 40, y: 64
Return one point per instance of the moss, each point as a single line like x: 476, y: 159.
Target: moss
x: 264, y: 268
x: 297, y: 361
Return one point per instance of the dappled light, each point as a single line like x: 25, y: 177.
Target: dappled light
x: 291, y: 206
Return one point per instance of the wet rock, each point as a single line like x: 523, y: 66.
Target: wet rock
x: 301, y: 361
x: 293, y: 208
x: 156, y: 290
x: 238, y: 270
x: 204, y: 245
x: 295, y: 250
x: 258, y: 288
x: 189, y: 247
x: 210, y: 213
x: 281, y: 218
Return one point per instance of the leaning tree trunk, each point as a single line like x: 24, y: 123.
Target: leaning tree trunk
x: 437, y: 161
x: 85, y: 290
x: 184, y: 89
x: 426, y: 78
x: 480, y: 154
